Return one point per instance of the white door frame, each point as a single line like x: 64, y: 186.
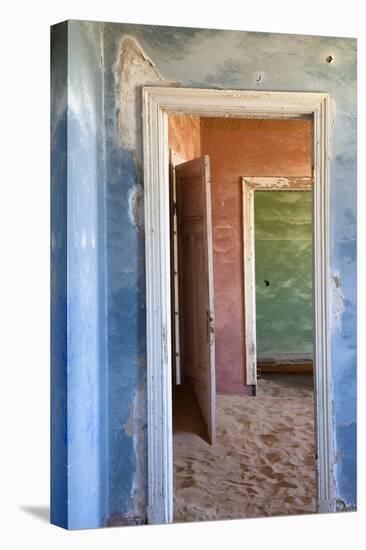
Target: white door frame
x: 249, y: 186
x: 158, y: 103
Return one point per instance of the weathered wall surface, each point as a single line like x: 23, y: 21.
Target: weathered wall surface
x: 237, y: 148
x: 283, y: 270
x: 257, y: 148
x: 185, y: 136
x: 78, y: 362
x: 111, y: 71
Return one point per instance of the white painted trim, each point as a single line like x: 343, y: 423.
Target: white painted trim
x: 249, y: 186
x: 158, y: 102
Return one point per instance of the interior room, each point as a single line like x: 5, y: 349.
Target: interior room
x: 241, y: 447
x: 115, y: 369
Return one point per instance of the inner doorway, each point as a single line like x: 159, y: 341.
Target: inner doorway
x: 158, y: 104
x: 267, y: 441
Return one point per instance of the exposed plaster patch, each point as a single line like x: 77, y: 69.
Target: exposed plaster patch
x: 337, y: 281
x: 341, y: 506
x: 136, y: 207
x: 336, y: 299
x: 128, y: 426
x: 135, y: 427
x: 177, y: 158
x: 133, y: 70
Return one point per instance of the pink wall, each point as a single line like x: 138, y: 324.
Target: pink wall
x: 239, y: 147
x: 184, y: 136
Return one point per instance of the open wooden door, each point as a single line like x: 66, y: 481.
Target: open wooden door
x: 176, y: 329
x: 196, y: 300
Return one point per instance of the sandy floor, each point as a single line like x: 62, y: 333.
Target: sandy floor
x: 263, y: 461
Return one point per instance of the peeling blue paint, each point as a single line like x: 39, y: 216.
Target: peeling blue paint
x: 99, y: 368
x: 126, y: 326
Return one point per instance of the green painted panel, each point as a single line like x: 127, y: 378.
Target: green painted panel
x: 283, y: 253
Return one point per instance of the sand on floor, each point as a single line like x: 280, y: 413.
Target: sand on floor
x: 263, y: 462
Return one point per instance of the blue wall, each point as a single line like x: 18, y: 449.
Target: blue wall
x: 59, y: 486
x: 79, y: 354
x: 99, y: 371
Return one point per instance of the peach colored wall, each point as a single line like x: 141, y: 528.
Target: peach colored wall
x: 239, y: 147
x: 184, y: 136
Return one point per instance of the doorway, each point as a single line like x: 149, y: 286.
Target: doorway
x: 284, y: 238
x: 263, y: 460
x: 158, y: 103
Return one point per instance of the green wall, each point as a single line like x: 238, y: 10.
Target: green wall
x: 283, y: 248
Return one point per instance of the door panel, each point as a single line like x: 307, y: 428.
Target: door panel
x: 196, y: 307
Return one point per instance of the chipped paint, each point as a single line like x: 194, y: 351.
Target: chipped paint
x: 134, y: 69
x: 337, y: 301
x: 135, y: 427
x: 138, y: 491
x: 128, y: 426
x: 98, y: 107
x: 136, y: 207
